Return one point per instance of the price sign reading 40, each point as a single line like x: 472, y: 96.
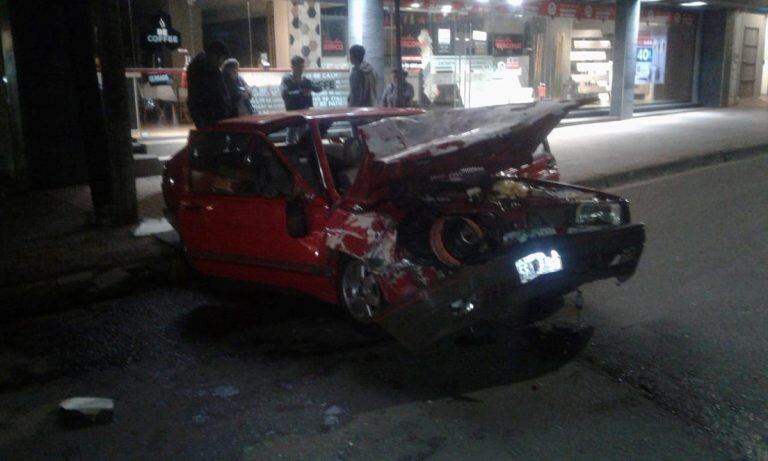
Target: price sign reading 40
x: 644, y: 54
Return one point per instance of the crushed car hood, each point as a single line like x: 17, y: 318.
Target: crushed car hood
x: 420, y: 147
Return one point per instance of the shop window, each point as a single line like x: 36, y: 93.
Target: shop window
x: 235, y: 164
x: 666, y: 45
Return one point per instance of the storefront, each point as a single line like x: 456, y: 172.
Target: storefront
x: 460, y: 54
x: 475, y: 54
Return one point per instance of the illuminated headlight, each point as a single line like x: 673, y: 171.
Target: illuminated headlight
x: 594, y: 213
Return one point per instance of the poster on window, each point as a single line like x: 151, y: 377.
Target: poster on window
x: 334, y: 35
x: 651, y: 56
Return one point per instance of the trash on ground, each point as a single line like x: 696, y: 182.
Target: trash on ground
x: 152, y: 226
x: 83, y: 411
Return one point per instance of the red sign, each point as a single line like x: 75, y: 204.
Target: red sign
x: 664, y: 16
x: 506, y: 44
x: 574, y: 10
x: 335, y: 45
x: 563, y: 10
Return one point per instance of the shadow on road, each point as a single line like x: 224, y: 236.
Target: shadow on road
x: 307, y: 333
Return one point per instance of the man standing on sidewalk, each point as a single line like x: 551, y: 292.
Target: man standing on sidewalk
x: 209, y: 101
x: 297, y: 89
x: 362, y: 79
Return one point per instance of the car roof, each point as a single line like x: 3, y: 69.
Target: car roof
x: 261, y: 121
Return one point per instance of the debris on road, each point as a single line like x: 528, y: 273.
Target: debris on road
x: 201, y: 417
x: 331, y: 416
x: 152, y: 226
x: 83, y: 411
x: 225, y: 391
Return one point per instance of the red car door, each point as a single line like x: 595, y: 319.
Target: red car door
x: 235, y: 221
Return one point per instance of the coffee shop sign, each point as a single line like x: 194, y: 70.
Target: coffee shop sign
x: 161, y: 33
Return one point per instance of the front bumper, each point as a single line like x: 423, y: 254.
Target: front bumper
x: 495, y: 291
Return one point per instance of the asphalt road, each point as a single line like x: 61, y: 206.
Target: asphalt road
x: 671, y: 365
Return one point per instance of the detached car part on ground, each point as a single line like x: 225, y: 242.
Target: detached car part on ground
x: 444, y: 224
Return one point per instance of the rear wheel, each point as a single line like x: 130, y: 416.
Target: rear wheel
x: 360, y: 292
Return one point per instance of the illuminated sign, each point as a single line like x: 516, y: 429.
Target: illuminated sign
x: 161, y: 33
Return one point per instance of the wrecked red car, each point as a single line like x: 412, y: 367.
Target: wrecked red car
x: 421, y: 222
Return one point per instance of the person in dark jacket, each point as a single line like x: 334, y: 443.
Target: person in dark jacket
x: 362, y: 79
x: 237, y: 88
x: 297, y: 89
x: 389, y: 98
x: 209, y: 101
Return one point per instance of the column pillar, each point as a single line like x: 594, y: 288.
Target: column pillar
x: 624, y: 58
x: 366, y: 27
x: 281, y: 10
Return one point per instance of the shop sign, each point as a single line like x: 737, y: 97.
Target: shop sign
x: 663, y: 16
x: 577, y: 11
x: 161, y: 33
x: 479, y: 35
x: 602, y: 12
x: 159, y: 79
x: 558, y: 9
x: 444, y: 42
x: 506, y: 44
x: 334, y: 35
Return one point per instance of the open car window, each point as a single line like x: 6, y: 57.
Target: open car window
x: 235, y: 164
x: 343, y: 150
x: 297, y: 145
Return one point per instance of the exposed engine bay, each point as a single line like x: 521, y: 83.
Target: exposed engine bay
x: 451, y: 222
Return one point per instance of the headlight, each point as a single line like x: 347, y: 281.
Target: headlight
x: 595, y: 213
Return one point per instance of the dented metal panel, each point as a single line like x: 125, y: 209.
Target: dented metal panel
x: 494, y: 138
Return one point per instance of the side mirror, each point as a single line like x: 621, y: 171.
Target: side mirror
x: 296, y: 217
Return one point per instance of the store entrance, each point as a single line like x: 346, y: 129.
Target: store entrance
x: 749, y: 63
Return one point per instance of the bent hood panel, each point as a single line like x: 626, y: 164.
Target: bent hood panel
x: 415, y: 148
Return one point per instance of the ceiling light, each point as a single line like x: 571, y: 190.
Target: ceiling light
x: 515, y: 2
x: 445, y: 9
x: 415, y: 5
x: 650, y: 1
x: 693, y: 4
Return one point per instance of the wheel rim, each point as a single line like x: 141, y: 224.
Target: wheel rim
x: 362, y: 297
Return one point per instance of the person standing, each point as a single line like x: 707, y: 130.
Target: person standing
x: 389, y: 97
x: 209, y: 101
x: 297, y: 89
x: 237, y: 88
x: 362, y: 79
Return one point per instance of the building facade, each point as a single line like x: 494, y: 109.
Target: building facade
x: 625, y: 55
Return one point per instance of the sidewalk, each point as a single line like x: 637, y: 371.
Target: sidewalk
x: 604, y: 153
x: 52, y: 257
x: 48, y: 253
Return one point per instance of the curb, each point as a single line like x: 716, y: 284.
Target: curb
x: 675, y: 166
x: 80, y: 289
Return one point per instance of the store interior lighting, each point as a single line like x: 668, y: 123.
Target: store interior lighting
x: 415, y: 5
x: 445, y: 9
x: 515, y: 2
x: 693, y: 4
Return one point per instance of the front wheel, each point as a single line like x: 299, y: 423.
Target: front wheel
x: 360, y: 292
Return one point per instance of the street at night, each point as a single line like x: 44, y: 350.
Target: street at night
x: 670, y: 365
x: 383, y: 230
